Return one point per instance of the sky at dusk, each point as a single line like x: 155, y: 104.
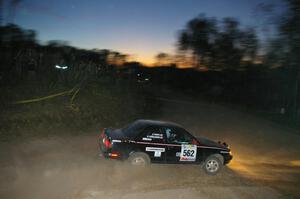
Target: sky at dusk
x: 141, y: 28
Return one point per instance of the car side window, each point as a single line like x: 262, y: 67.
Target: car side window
x: 177, y: 136
x: 152, y: 134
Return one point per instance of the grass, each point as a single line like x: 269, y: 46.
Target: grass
x: 98, y: 104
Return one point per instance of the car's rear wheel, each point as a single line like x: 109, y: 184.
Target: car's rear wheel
x: 139, y: 159
x: 212, y: 165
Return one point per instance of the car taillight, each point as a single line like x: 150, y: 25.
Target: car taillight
x: 114, y: 155
x: 107, y: 143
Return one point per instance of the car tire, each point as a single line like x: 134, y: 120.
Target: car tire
x: 139, y: 159
x: 212, y: 165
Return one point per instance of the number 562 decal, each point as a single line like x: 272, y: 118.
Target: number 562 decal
x: 188, y: 152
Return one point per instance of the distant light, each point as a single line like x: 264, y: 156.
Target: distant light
x: 146, y: 79
x: 61, y: 67
x: 138, y: 74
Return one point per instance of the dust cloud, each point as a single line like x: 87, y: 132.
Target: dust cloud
x: 265, y: 164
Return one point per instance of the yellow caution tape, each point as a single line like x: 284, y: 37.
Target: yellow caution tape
x: 47, y: 97
x: 74, y: 95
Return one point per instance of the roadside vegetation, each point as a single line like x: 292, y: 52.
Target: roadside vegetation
x: 96, y: 105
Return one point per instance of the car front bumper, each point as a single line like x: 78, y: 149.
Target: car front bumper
x: 227, y: 158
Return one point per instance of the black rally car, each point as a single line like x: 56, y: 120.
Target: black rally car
x: 147, y: 141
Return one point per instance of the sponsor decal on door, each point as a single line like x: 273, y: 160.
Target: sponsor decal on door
x: 157, y: 151
x: 188, y: 152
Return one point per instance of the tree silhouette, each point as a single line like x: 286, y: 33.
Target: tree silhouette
x: 21, y: 53
x: 117, y: 58
x: 163, y: 59
x: 198, y: 37
x: 290, y: 31
x: 233, y: 45
x: 217, y: 46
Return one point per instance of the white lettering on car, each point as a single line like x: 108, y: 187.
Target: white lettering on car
x: 155, y: 136
x: 157, y: 151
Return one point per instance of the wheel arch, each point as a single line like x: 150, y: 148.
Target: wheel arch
x: 215, y: 154
x: 219, y: 156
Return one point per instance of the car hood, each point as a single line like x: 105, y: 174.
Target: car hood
x: 207, y: 142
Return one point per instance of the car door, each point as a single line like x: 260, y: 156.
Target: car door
x: 181, y: 146
x: 152, y: 142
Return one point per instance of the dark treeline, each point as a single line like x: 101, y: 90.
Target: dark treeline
x: 237, y: 67
x: 226, y: 65
x: 256, y: 89
x: 23, y: 58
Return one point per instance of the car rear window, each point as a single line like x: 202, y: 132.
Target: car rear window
x: 132, y: 129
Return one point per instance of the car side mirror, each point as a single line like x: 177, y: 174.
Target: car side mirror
x: 195, y: 142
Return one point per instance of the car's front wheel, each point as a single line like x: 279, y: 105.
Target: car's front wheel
x: 212, y: 165
x: 139, y: 159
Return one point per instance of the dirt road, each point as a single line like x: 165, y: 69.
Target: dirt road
x: 266, y: 163
x: 263, y: 151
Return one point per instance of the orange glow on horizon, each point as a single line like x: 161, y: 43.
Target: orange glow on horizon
x: 142, y: 49
x: 149, y: 60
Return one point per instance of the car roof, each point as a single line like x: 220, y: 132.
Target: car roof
x: 137, y: 126
x: 157, y: 123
